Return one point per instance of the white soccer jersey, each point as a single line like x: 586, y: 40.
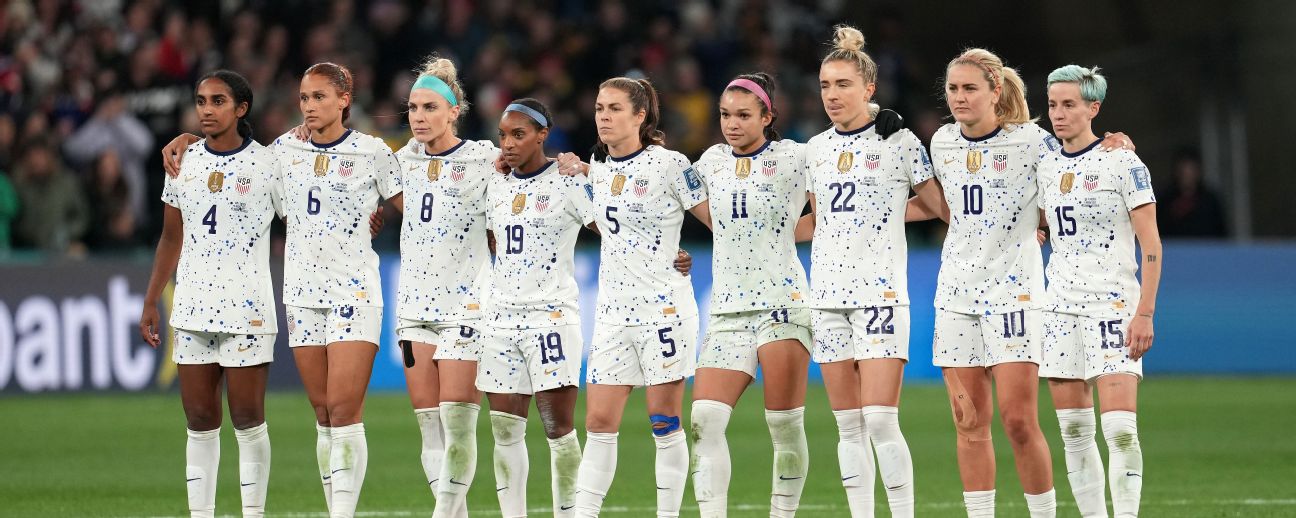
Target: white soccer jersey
x: 991, y: 261
x: 640, y: 201
x: 226, y: 201
x: 755, y: 202
x: 330, y: 190
x: 536, y: 218
x: 444, y: 257
x: 859, y: 257
x: 1087, y: 197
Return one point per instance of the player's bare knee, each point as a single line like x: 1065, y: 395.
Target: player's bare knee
x: 600, y: 422
x: 203, y: 418
x: 244, y: 418
x: 554, y: 429
x: 1020, y: 426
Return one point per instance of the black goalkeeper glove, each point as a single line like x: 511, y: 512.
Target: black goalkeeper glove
x: 888, y: 122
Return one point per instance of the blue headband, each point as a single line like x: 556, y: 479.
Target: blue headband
x: 528, y: 111
x: 435, y: 84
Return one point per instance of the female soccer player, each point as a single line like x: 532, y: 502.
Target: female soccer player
x: 1098, y: 321
x: 444, y: 260
x: 223, y: 307
x: 646, y: 321
x: 332, y: 290
x: 858, y: 277
x: 532, y: 344
x: 756, y: 186
x: 987, y: 324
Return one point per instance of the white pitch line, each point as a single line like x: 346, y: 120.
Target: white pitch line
x: 615, y: 509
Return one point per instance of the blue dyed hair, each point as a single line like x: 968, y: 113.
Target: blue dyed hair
x: 1093, y: 86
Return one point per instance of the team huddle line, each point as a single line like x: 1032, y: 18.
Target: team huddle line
x: 487, y: 299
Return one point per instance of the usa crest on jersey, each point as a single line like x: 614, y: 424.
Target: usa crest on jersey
x: 345, y: 167
x: 1090, y: 182
x: 457, y: 172
x: 243, y: 184
x: 542, y: 202
x: 872, y: 160
x: 769, y: 167
x: 641, y: 187
x: 1000, y: 162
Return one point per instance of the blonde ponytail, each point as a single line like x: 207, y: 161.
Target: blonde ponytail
x: 848, y: 46
x: 445, y: 70
x: 1011, y: 107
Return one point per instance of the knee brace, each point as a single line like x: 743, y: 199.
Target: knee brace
x: 663, y: 425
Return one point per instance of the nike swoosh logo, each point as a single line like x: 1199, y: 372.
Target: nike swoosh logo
x: 325, y: 478
x: 192, y: 479
x: 659, y: 488
x: 565, y: 507
x: 189, y: 178
x: 295, y: 162
x: 548, y: 372
x: 248, y: 484
x: 781, y: 477
x: 950, y: 161
x: 340, y: 469
x: 1110, y: 356
x: 893, y: 488
x: 669, y: 365
x: 457, y: 483
x: 433, y: 481
x: 242, y: 349
x: 848, y: 478
x: 1133, y: 475
x: 819, y: 163
x: 413, y: 167
x: 501, y: 489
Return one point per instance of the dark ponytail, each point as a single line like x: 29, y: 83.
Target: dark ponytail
x: 642, y: 97
x: 242, y: 92
x: 338, y: 76
x: 766, y: 83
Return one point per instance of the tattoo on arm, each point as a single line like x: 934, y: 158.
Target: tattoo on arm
x: 1151, y: 258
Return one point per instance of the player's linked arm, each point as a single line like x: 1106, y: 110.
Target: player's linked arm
x: 1143, y: 218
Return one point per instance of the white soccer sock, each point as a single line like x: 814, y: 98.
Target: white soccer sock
x: 433, y: 452
x: 1120, y: 429
x: 711, y: 467
x: 980, y: 504
x: 894, y: 461
x: 254, y: 468
x: 460, y: 461
x: 323, y: 447
x: 855, y: 459
x: 348, y: 458
x: 597, y: 468
x: 1084, y: 464
x: 672, y: 472
x: 564, y: 465
x: 202, y: 459
x: 511, y: 463
x: 791, y: 459
x: 1043, y: 505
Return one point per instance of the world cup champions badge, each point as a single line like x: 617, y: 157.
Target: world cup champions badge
x: 845, y: 161
x: 973, y: 160
x: 519, y: 202
x: 434, y: 170
x: 618, y: 184
x: 1068, y: 181
x: 215, y: 181
x: 743, y: 167
x: 321, y: 165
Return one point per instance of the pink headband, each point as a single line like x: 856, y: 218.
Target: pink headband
x: 754, y: 88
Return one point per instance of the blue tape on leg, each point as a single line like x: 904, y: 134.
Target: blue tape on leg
x: 671, y: 423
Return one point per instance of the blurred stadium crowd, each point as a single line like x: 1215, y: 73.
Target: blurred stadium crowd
x: 91, y: 89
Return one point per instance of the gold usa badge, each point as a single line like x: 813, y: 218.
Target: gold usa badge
x: 215, y: 181
x: 321, y: 165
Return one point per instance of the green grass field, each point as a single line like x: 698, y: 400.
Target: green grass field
x: 1212, y: 447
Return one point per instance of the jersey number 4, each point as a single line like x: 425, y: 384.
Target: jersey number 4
x: 210, y: 220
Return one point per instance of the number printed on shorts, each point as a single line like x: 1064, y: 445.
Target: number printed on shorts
x: 779, y: 315
x: 465, y: 332
x: 1112, y: 336
x: 880, y: 321
x: 1014, y: 324
x: 551, y: 348
x: 666, y: 340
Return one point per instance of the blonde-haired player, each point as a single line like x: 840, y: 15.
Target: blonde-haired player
x: 444, y: 261
x: 859, y: 181
x: 1098, y: 321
